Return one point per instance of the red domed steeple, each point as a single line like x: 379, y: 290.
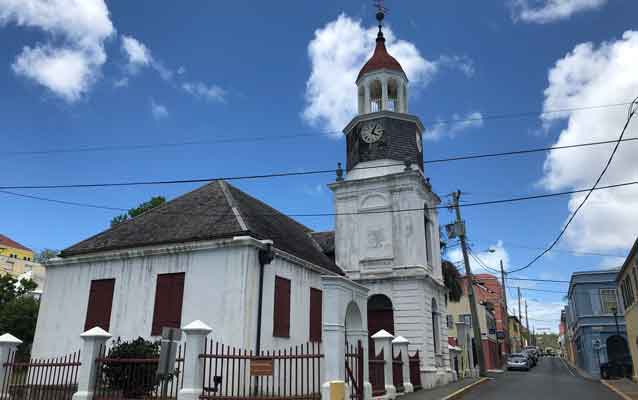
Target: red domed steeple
x: 381, y: 59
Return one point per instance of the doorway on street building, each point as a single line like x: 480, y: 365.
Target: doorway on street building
x: 380, y: 316
x: 617, y: 349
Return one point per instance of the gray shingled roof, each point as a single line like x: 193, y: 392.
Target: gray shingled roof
x: 204, y: 214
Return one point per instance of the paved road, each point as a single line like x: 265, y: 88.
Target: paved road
x: 551, y: 379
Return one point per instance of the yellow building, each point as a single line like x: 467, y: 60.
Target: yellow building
x: 18, y: 261
x: 627, y: 283
x: 516, y: 342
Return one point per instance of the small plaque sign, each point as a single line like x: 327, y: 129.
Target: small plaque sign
x: 261, y: 366
x: 500, y: 335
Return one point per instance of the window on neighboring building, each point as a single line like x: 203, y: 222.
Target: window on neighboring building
x: 169, y: 294
x: 281, y: 314
x: 627, y: 291
x: 98, y: 310
x: 467, y: 318
x: 315, y: 314
x: 450, y: 321
x: 608, y: 300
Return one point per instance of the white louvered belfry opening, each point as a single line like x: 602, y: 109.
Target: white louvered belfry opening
x: 385, y: 91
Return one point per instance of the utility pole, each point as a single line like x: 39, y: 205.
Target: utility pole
x: 520, y: 320
x: 506, y: 313
x: 460, y: 225
x: 527, y: 323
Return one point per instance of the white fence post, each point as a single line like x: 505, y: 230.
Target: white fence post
x: 92, y: 341
x: 193, y: 379
x: 401, y: 344
x: 8, y: 344
x: 383, y: 341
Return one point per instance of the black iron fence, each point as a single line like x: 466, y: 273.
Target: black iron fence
x: 232, y: 373
x: 135, y: 378
x: 40, y: 379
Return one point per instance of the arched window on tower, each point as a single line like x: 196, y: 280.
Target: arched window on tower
x: 362, y: 99
x: 436, y: 335
x: 404, y: 98
x: 376, y: 96
x: 427, y: 225
x: 393, y: 95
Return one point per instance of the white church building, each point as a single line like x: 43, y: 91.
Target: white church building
x: 254, y: 275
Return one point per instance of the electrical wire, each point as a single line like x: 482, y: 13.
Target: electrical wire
x: 633, y: 108
x: 3, y: 189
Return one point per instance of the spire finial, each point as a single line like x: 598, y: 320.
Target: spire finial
x: 381, y: 11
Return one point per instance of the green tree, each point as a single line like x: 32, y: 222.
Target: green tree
x: 18, y: 311
x: 45, y: 255
x: 140, y: 209
x: 452, y: 281
x: 19, y: 317
x: 11, y: 289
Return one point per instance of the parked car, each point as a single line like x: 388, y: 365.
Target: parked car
x: 518, y: 361
x: 533, y: 360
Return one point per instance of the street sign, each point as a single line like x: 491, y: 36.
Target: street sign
x: 261, y: 366
x: 500, y: 335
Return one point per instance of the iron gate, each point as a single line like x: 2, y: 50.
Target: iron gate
x: 354, y: 370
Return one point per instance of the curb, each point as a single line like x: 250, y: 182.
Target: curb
x: 613, y: 389
x: 464, y: 389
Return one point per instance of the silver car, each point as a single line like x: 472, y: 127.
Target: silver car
x: 518, y: 361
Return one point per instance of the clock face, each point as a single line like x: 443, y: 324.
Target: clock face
x: 419, y: 143
x: 371, y: 132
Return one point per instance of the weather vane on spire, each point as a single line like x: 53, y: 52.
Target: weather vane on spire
x: 381, y: 12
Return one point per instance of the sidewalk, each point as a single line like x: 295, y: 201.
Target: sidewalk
x: 446, y: 392
x: 625, y: 388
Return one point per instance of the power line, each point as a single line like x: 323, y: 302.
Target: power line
x: 538, y: 290
x: 243, y: 139
x: 3, y: 189
x: 633, y: 108
x: 573, y: 252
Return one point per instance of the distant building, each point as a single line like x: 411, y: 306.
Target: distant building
x: 17, y: 261
x: 596, y: 336
x: 515, y: 331
x: 627, y: 286
x: 495, y: 295
x: 460, y: 312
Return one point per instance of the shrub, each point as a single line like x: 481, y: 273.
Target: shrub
x: 135, y: 380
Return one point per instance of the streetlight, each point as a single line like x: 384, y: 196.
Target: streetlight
x: 614, y: 310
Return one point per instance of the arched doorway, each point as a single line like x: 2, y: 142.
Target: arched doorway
x: 354, y: 322
x: 380, y: 314
x: 617, y: 348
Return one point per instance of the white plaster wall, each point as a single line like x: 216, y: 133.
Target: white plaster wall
x: 301, y: 280
x: 220, y: 288
x: 403, y: 231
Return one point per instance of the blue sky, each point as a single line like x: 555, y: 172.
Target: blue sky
x: 148, y: 72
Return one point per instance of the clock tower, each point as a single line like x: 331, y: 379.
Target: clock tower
x: 386, y: 224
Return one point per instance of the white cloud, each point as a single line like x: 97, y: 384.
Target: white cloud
x: 137, y: 53
x: 545, y: 11
x: 158, y: 111
x: 463, y: 63
x: 454, y: 126
x: 543, y: 314
x: 70, y: 62
x: 337, y: 53
x: 491, y: 259
x: 208, y: 92
x: 592, y: 75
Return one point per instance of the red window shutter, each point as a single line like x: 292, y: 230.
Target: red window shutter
x: 315, y: 315
x: 281, y: 314
x: 98, y: 311
x: 169, y: 295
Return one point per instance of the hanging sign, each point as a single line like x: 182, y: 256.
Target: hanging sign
x: 261, y: 366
